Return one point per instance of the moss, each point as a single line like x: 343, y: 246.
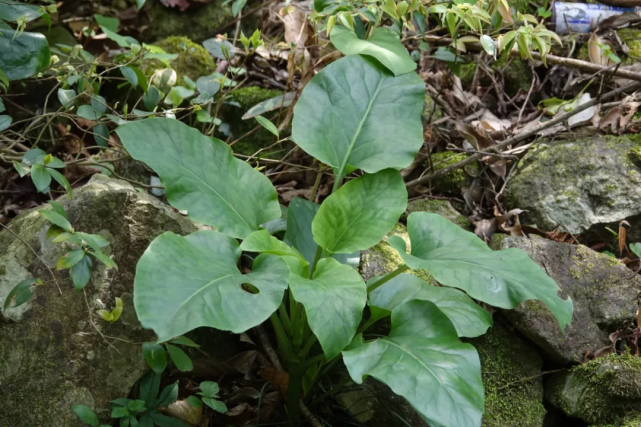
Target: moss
x: 453, y: 182
x: 511, y: 399
x: 193, y: 61
x: 441, y: 207
x: 246, y: 98
x: 196, y: 23
x: 632, y: 38
x: 431, y: 110
x: 467, y: 74
x: 516, y: 76
x: 601, y: 391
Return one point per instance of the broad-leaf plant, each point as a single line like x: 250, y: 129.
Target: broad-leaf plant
x: 361, y: 115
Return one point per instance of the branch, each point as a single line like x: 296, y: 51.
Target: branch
x: 524, y: 135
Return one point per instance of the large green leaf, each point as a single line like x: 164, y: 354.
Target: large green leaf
x: 423, y: 360
x: 185, y: 282
x: 300, y: 215
x: 355, y: 112
x: 383, y: 45
x: 334, y: 300
x: 201, y: 175
x: 24, y: 55
x: 263, y: 242
x: 12, y: 11
x: 360, y: 213
x: 458, y: 258
x: 469, y: 319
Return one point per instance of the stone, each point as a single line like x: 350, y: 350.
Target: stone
x: 198, y: 22
x: 511, y: 377
x: 517, y: 75
x: 51, y: 357
x: 581, y: 186
x: 453, y: 182
x: 194, y: 62
x: 601, y: 391
x: 441, y: 207
x: 603, y: 294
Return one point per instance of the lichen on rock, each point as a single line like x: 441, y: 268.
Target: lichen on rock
x: 51, y: 357
x: 601, y: 391
x: 453, y: 182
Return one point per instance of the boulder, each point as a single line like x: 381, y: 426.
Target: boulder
x: 51, y: 355
x: 581, y: 186
x: 454, y: 182
x: 600, y: 392
x: 604, y: 297
x: 511, y: 377
x: 441, y: 207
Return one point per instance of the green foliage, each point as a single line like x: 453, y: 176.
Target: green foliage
x: 42, y: 167
x: 23, y: 55
x: 209, y: 396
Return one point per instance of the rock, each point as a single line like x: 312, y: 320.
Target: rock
x: 582, y: 186
x: 453, y: 182
x: 51, y: 357
x: 246, y: 98
x: 513, y: 391
x: 604, y: 297
x: 602, y: 391
x: 195, y: 62
x: 441, y: 207
x: 197, y: 23
x: 517, y: 75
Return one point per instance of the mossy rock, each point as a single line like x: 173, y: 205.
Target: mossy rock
x: 513, y: 391
x: 453, y: 182
x: 193, y: 61
x: 516, y: 76
x: 51, y: 358
x: 195, y: 23
x: 602, y: 391
x: 581, y: 185
x: 441, y: 207
x: 603, y: 295
x: 246, y: 98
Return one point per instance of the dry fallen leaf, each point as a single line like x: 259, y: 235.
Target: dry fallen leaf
x: 595, y: 52
x: 280, y: 379
x: 183, y: 410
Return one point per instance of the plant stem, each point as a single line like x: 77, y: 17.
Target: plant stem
x: 294, y: 392
x: 317, y: 257
x: 308, y: 346
x: 283, y: 343
x: 284, y: 318
x: 314, y: 360
x: 297, y: 339
x: 387, y: 278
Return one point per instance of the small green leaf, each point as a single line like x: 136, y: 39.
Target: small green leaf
x: 208, y: 86
x: 95, y: 241
x: 54, y: 162
x: 99, y: 104
x: 155, y: 356
x: 56, y: 218
x: 237, y: 6
x: 216, y: 405
x: 101, y: 135
x: 104, y: 258
x: 88, y: 113
x: 33, y: 156
x: 149, y: 387
x: 267, y: 124
x: 383, y: 44
x: 130, y: 75
x: 71, y: 259
x: 280, y: 101
x: 151, y: 99
x: 360, y: 213
x: 58, y: 208
x: 183, y: 340
x: 636, y: 248
x: 20, y: 293
x: 86, y: 415
x: 119, y: 412
x: 22, y: 169
x: 261, y: 241
x: 81, y: 273
x: 209, y: 388
x: 5, y: 122
x: 66, y: 97
x: 107, y: 22
x: 180, y: 358
x: 334, y: 300
x: 136, y: 405
x: 194, y: 402
x: 169, y: 395
x: 2, y: 109
x: 221, y: 49
x: 60, y: 179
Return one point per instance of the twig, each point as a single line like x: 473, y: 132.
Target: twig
x: 233, y: 21
x: 524, y: 135
x: 267, y: 346
x: 35, y: 253
x: 533, y: 377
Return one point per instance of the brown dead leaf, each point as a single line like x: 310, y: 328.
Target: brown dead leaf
x: 509, y: 222
x: 595, y: 52
x: 296, y: 27
x: 180, y: 4
x: 183, y: 410
x: 485, y: 228
x: 280, y: 379
x: 622, y: 236
x: 237, y: 410
x: 618, y: 118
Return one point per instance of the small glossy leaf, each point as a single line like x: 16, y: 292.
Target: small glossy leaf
x: 104, y: 258
x: 33, y: 156
x: 95, y: 241
x: 355, y: 112
x: 149, y: 387
x: 2, y: 109
x: 185, y: 282
x: 267, y: 124
x: 180, y: 358
x: 169, y: 395
x: 164, y: 421
x: 13, y: 10
x: 360, y: 213
x: 20, y: 293
x: 130, y: 75
x: 81, y: 272
x: 99, y: 104
x: 221, y: 49
x: 201, y: 175
x: 40, y: 177
x: 5, y: 122
x: 58, y: 208
x: 237, y: 6
x: 488, y: 44
x: 88, y: 113
x: 21, y: 168
x: 151, y: 99
x: 300, y: 215
x: 86, y: 415
x: 156, y: 357
x: 209, y: 388
x: 194, y: 402
x: 60, y: 179
x: 183, y: 340
x: 261, y: 241
x: 208, y: 86
x: 423, y: 360
x: 53, y: 162
x: 23, y: 55
x: 107, y: 22
x: 66, y: 97
x: 216, y: 405
x: 56, y: 218
x: 383, y: 44
x: 469, y: 319
x: 280, y: 101
x: 101, y: 135
x: 459, y: 259
x: 136, y: 405
x: 70, y: 259
x: 334, y: 300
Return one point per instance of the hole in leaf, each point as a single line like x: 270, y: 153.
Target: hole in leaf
x: 249, y: 288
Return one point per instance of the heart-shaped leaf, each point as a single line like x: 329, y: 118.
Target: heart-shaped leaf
x: 334, y: 300
x: 355, y: 112
x: 263, y: 242
x: 185, y: 282
x: 459, y: 259
x: 469, y: 319
x: 423, y: 360
x: 201, y: 175
x: 360, y: 213
x: 23, y: 55
x: 383, y: 44
x: 300, y: 215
